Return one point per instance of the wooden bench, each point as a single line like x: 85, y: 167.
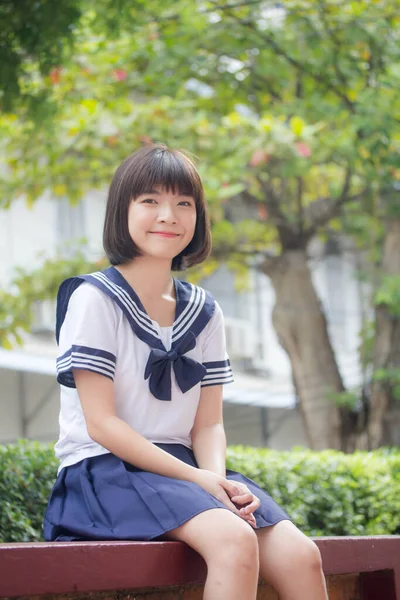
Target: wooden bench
x: 357, y: 568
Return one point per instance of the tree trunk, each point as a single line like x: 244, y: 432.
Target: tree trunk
x: 384, y: 410
x: 301, y: 327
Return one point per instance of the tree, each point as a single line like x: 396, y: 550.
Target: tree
x: 384, y: 394
x: 34, y: 38
x: 295, y: 111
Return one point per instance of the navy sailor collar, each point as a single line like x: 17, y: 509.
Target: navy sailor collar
x: 194, y: 309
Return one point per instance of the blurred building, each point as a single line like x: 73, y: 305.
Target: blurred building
x: 260, y: 407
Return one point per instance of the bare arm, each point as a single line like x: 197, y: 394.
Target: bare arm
x: 209, y: 447
x: 208, y: 433
x: 96, y: 394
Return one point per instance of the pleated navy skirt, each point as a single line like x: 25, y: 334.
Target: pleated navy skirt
x: 105, y: 498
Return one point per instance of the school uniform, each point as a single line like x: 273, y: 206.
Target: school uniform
x: 158, y: 373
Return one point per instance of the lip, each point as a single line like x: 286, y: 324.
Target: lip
x: 165, y: 234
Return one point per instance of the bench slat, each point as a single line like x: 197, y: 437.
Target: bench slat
x: 68, y: 567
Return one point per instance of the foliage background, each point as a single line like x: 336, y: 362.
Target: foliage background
x: 325, y: 493
x: 298, y: 115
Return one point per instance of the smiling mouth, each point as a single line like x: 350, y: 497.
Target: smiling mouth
x: 165, y: 234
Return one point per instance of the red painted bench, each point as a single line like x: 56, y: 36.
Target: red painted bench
x: 76, y: 568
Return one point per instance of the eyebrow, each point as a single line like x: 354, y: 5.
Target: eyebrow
x: 159, y: 193
x: 151, y: 192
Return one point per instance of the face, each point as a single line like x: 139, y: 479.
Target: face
x: 162, y: 224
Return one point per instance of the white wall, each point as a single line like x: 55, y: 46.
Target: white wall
x: 24, y: 233
x: 94, y: 210
x: 28, y: 235
x: 21, y: 394
x: 243, y: 425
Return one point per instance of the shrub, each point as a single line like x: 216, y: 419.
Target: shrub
x: 329, y: 492
x: 27, y: 474
x: 325, y: 493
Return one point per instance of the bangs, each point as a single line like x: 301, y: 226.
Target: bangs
x: 151, y: 167
x: 172, y: 171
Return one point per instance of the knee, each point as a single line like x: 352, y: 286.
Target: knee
x: 237, y: 548
x: 308, y: 556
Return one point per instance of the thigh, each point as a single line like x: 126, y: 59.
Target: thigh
x: 283, y: 547
x: 214, y: 530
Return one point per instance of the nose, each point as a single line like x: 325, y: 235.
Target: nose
x: 166, y: 213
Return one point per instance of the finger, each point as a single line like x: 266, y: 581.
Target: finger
x: 243, y: 499
x: 250, y: 508
x: 224, y: 498
x: 252, y: 522
x: 250, y: 519
x: 241, y: 487
x: 231, y: 488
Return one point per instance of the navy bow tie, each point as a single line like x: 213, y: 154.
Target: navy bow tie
x: 187, y: 371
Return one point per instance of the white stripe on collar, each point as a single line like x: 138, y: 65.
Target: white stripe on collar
x: 139, y: 316
x: 195, y: 309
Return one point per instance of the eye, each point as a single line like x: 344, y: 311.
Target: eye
x: 148, y: 201
x: 186, y: 203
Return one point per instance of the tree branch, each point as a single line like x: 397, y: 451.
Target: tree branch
x: 264, y: 85
x: 227, y: 6
x: 269, y: 264
x: 336, y: 43
x: 269, y: 259
x: 290, y: 234
x: 300, y: 207
x: 319, y: 213
x: 271, y: 200
x: 277, y: 219
x: 295, y: 63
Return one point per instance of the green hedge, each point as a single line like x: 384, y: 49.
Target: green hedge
x: 326, y: 493
x: 329, y: 492
x: 27, y: 474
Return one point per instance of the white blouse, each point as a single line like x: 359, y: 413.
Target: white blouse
x: 98, y: 333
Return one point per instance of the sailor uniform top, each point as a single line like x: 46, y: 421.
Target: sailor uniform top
x: 158, y: 372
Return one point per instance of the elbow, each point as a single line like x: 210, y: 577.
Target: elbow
x: 210, y: 427
x: 94, y: 432
x: 98, y: 429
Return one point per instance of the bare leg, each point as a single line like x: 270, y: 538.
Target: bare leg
x: 291, y: 563
x: 229, y: 547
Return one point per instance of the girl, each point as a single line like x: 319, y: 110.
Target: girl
x: 141, y: 365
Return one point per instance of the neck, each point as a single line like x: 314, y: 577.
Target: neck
x: 147, y: 276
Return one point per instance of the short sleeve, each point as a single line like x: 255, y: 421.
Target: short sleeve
x: 88, y: 335
x: 215, y: 358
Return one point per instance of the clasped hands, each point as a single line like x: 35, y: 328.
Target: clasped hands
x: 235, y: 495
x: 245, y: 502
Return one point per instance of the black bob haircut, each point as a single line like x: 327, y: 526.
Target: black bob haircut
x: 154, y: 165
